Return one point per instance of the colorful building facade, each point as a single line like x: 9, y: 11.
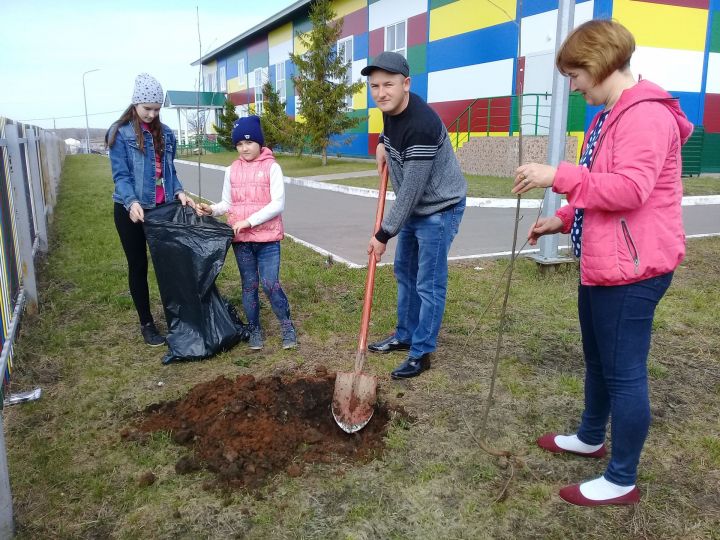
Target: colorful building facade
x: 462, y: 50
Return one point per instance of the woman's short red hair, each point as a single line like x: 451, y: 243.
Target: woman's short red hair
x: 600, y: 47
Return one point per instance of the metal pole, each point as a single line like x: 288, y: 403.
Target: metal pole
x: 22, y: 219
x: 87, y: 126
x: 7, y: 527
x: 37, y: 190
x: 548, y: 244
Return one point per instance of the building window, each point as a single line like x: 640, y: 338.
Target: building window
x: 345, y: 53
x: 242, y: 74
x: 222, y: 79
x: 209, y: 82
x: 395, y: 38
x: 280, y: 81
x: 259, y: 81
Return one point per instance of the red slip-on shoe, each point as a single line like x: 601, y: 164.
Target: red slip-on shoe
x: 573, y: 495
x: 547, y: 442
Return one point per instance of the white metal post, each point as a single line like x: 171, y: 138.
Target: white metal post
x: 87, y: 125
x: 548, y: 244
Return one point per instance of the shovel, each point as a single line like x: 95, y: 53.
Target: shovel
x: 355, y: 392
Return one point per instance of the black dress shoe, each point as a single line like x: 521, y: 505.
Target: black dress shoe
x: 388, y: 345
x: 412, y: 367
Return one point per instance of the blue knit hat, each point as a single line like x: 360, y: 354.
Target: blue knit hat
x: 248, y: 129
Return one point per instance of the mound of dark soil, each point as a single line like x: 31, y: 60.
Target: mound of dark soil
x: 247, y: 429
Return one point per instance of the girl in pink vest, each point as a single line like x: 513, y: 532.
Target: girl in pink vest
x: 253, y: 198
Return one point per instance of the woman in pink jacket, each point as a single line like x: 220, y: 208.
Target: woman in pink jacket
x: 624, y: 217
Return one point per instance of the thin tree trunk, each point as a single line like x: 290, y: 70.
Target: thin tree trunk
x: 324, y: 155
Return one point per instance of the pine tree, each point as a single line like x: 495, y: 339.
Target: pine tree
x: 224, y: 131
x: 279, y: 129
x: 321, y: 80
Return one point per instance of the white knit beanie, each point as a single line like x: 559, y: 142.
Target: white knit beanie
x: 147, y: 90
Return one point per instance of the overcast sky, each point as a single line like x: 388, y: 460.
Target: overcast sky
x: 46, y: 45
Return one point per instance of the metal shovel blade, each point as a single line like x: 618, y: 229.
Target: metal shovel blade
x: 354, y: 399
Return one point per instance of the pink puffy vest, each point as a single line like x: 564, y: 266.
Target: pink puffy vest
x: 250, y: 191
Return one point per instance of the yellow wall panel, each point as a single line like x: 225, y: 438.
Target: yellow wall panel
x: 465, y: 16
x: 298, y: 47
x: 234, y: 85
x: 344, y: 7
x: 375, y: 121
x: 659, y: 25
x: 360, y: 99
x: 280, y: 35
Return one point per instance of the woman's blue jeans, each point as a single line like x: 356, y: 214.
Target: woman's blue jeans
x: 259, y: 262
x: 616, y: 323
x: 421, y: 271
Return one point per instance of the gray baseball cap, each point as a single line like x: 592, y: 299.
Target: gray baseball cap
x: 391, y: 62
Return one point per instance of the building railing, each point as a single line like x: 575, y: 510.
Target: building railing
x: 503, y: 114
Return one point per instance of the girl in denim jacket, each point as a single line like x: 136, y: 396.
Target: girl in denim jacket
x: 142, y: 153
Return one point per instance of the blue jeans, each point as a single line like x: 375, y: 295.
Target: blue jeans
x: 421, y: 271
x: 616, y: 323
x: 260, y: 262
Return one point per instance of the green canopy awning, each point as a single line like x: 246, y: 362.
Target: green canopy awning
x: 178, y: 99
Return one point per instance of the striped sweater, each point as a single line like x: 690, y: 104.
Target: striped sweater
x: 424, y: 171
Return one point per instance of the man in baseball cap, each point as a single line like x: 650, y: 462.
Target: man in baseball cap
x: 391, y: 62
x: 429, y: 204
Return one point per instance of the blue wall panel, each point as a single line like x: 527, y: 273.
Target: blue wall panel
x: 357, y: 146
x: 533, y: 7
x: 486, y: 45
x: 692, y: 105
x: 360, y: 46
x: 419, y: 85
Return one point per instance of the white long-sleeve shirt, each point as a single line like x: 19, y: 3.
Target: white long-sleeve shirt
x: 267, y: 212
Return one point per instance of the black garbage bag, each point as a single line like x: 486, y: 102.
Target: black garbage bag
x: 188, y: 253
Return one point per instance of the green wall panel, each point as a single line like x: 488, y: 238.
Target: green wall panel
x: 576, y: 113
x: 710, y: 162
x: 439, y: 3
x: 417, y: 59
x: 362, y: 127
x: 715, y: 32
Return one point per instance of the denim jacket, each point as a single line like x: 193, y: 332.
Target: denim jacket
x: 134, y: 171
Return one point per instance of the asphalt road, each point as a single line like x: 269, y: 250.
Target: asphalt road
x: 341, y: 223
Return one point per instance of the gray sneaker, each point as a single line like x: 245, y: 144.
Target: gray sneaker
x: 289, y: 337
x: 256, y: 339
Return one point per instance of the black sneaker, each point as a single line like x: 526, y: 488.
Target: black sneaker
x: 151, y: 335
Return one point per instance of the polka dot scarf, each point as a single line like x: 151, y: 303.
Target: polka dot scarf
x: 585, y: 161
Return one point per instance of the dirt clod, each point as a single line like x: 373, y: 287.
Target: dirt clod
x: 146, y: 479
x: 246, y: 430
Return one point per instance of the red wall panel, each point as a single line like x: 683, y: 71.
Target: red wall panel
x: 355, y: 23
x: 711, y: 120
x: 417, y: 30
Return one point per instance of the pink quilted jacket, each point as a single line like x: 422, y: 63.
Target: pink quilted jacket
x: 632, y: 193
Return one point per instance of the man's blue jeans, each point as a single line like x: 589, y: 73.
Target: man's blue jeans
x: 421, y: 271
x: 260, y: 262
x: 616, y: 323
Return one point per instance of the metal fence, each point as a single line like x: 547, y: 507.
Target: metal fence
x: 31, y: 160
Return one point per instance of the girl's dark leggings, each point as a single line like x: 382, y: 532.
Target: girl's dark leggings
x: 132, y: 238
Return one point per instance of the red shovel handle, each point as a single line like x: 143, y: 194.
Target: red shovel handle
x: 370, y: 280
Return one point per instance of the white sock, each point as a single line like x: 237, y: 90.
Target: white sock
x: 572, y: 443
x: 600, y: 489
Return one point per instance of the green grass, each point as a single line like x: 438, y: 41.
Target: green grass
x: 498, y: 187
x: 72, y: 476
